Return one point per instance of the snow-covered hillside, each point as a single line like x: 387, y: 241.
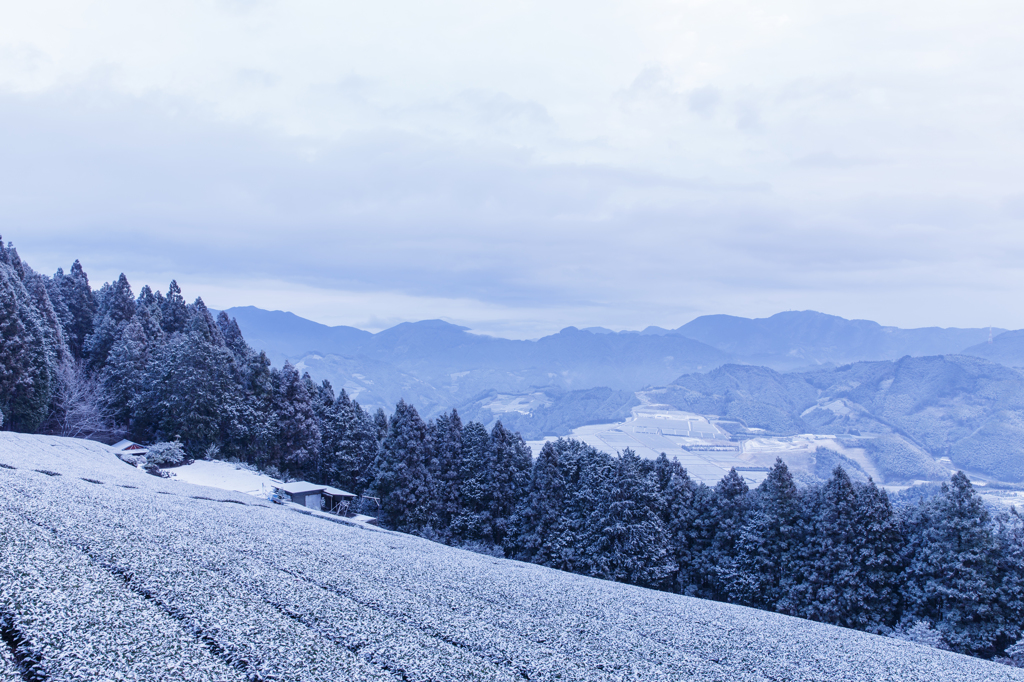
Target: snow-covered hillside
x: 225, y: 476
x: 108, y: 573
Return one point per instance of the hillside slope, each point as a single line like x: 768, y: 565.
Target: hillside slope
x: 958, y: 406
x: 1007, y: 349
x: 106, y: 570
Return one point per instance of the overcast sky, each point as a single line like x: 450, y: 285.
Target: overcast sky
x: 518, y: 167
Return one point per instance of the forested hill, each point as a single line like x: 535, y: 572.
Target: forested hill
x: 965, y: 408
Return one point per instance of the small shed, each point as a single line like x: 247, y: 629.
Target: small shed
x: 337, y: 501
x: 304, y: 493
x: 127, y: 447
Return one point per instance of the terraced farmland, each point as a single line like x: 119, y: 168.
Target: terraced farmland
x: 108, y: 573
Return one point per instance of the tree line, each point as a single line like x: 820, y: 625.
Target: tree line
x: 942, y: 570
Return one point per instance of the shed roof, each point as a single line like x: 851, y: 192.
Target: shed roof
x: 297, y: 487
x: 334, y: 492
x: 129, y: 446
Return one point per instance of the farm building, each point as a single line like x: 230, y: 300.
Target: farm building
x: 303, y: 492
x: 321, y: 497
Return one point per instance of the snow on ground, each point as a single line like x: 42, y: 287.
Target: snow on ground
x: 226, y: 476
x: 109, y: 573
x: 704, y: 448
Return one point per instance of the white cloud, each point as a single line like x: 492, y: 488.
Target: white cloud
x: 524, y: 166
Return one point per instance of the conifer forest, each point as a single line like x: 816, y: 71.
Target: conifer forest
x: 939, y: 567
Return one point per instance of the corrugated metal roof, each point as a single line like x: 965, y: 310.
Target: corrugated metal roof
x: 337, y: 493
x: 297, y: 487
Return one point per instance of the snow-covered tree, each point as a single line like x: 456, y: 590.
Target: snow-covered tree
x: 540, y: 521
x: 952, y: 579
x: 123, y: 375
x: 761, y: 569
x: 299, y: 432
x: 445, y: 468
x: 629, y: 538
x: 174, y: 315
x: 402, y: 481
x: 508, y: 477
x: 115, y: 307
x: 28, y: 358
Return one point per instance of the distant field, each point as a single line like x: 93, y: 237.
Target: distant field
x: 701, y: 446
x: 108, y: 573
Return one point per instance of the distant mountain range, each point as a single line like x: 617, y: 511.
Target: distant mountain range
x: 793, y: 339
x: 437, y: 365
x: 920, y: 394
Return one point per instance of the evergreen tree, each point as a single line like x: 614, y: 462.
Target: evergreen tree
x: 253, y: 434
x: 148, y: 313
x: 55, y: 354
x: 380, y: 425
x: 359, y: 444
x: 322, y: 395
x: 834, y: 586
x: 232, y: 335
x: 629, y: 542
x: 174, y: 312
x: 730, y: 506
x: 77, y: 308
x: 663, y: 472
x: 762, y: 567
x: 201, y: 322
x: 540, y: 522
x: 587, y: 474
x: 507, y: 477
x: 952, y: 579
x: 1010, y: 578
x: 25, y: 371
x: 191, y: 392
x: 473, y: 523
x: 116, y: 306
x: 445, y: 469
x: 124, y: 372
x: 299, y: 432
x: 402, y: 481
x: 682, y: 531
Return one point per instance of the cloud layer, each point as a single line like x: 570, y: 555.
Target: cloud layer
x: 520, y: 168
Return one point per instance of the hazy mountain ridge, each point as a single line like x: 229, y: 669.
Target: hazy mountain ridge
x: 793, y: 339
x: 440, y: 365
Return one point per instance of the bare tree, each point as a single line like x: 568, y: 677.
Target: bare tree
x: 78, y: 409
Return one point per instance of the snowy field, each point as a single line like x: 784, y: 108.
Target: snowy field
x: 703, y: 447
x: 226, y: 476
x: 109, y: 573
